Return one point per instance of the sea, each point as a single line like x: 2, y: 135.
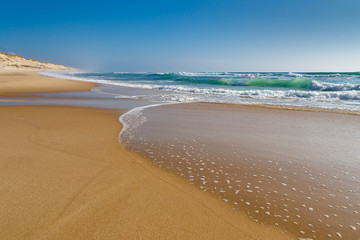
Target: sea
x: 328, y: 90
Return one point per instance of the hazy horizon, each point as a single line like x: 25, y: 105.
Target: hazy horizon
x: 187, y: 36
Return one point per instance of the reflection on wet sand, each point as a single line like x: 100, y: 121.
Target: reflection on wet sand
x: 296, y: 170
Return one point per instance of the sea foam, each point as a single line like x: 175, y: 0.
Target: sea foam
x: 321, y: 90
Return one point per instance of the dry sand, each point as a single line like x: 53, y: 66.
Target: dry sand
x: 63, y: 175
x: 12, y: 83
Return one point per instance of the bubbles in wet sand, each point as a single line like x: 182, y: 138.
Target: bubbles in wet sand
x: 314, y: 200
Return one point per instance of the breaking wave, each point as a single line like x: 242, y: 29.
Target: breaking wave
x: 340, y: 89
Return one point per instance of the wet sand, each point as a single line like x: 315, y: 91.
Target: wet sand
x: 63, y: 175
x: 298, y: 170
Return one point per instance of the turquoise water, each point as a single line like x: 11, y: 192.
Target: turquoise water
x: 320, y: 89
x: 304, y: 81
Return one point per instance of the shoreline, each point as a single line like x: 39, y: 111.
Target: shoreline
x: 293, y: 169
x: 259, y: 105
x: 292, y: 108
x: 90, y: 187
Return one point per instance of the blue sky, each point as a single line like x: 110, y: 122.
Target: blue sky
x: 184, y: 35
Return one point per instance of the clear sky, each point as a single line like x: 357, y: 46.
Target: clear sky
x: 186, y: 35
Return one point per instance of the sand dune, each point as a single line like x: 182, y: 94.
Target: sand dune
x: 18, y: 63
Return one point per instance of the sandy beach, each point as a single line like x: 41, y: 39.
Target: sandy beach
x: 297, y: 170
x: 63, y: 175
x: 16, y: 83
x: 180, y: 120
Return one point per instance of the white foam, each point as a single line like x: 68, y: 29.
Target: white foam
x: 321, y: 97
x: 322, y: 86
x: 133, y: 118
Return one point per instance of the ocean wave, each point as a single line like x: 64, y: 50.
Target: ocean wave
x: 331, y: 74
x: 252, y: 93
x: 299, y: 91
x: 262, y: 80
x: 254, y: 81
x: 269, y: 94
x: 324, y: 86
x: 316, y: 90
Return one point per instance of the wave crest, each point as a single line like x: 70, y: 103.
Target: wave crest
x: 324, y: 86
